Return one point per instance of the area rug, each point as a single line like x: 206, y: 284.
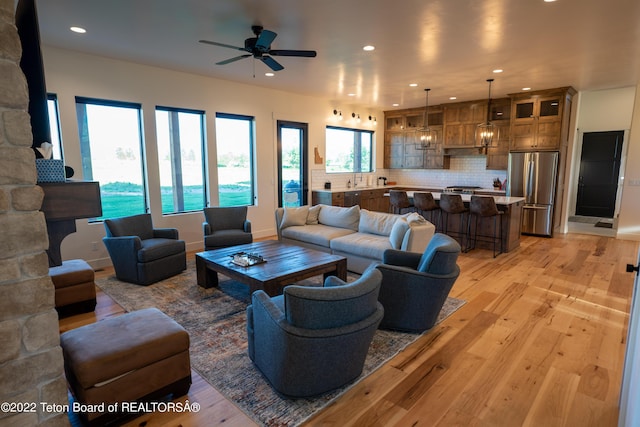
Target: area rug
x: 216, y: 321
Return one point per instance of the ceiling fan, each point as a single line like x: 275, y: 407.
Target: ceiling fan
x: 260, y: 48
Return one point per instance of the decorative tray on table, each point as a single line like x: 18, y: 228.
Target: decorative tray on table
x: 245, y: 259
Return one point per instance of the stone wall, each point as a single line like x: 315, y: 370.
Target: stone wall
x: 31, y: 364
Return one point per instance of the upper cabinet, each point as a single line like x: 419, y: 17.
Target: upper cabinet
x: 498, y: 155
x: 540, y: 120
x: 460, y: 122
x: 403, y: 148
x: 526, y: 121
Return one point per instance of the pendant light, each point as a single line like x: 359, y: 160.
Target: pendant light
x: 427, y: 136
x: 487, y: 133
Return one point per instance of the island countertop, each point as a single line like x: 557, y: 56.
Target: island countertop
x: 500, y: 200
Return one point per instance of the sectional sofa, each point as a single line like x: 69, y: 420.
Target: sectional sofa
x: 360, y: 235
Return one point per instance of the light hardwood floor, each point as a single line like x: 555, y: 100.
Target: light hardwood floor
x: 540, y: 342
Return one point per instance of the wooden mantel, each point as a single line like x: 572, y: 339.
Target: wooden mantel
x: 63, y: 203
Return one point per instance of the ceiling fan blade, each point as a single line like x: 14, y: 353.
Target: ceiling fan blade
x: 265, y: 38
x: 271, y: 63
x: 230, y: 60
x: 302, y: 53
x: 221, y: 44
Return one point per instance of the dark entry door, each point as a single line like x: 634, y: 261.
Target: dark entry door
x: 292, y: 164
x: 599, y: 169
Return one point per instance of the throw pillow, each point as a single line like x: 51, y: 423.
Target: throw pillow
x: 312, y: 216
x: 414, y: 218
x: 294, y: 216
x: 398, y: 231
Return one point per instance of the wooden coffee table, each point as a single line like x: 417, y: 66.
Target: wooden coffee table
x: 285, y: 264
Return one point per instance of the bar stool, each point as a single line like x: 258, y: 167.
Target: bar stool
x: 424, y: 202
x: 399, y: 200
x: 485, y: 207
x: 452, y: 204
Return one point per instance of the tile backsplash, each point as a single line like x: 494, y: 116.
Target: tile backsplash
x: 463, y: 171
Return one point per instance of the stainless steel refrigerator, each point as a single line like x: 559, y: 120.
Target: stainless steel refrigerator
x: 533, y: 176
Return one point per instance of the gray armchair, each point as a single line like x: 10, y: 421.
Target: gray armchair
x: 142, y: 254
x: 314, y: 339
x: 226, y: 226
x: 415, y: 286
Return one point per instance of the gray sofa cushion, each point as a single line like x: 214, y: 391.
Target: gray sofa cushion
x: 361, y: 244
x: 294, y: 216
x: 340, y: 217
x: 379, y: 223
x: 319, y: 234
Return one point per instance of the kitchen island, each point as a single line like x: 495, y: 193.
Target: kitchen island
x: 511, y: 220
x: 377, y: 199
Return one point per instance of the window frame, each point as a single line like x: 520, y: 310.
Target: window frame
x: 357, y: 147
x: 252, y: 148
x: 88, y: 173
x: 203, y: 151
x: 58, y: 146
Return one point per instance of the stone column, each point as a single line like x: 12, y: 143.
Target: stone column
x: 31, y: 363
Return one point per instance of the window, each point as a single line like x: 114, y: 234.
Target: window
x: 180, y: 153
x: 111, y: 150
x: 54, y: 126
x: 348, y: 150
x: 234, y: 142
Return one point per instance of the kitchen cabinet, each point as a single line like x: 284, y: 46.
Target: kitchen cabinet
x: 402, y: 147
x: 374, y: 200
x: 460, y: 122
x: 327, y: 198
x: 351, y: 198
x: 369, y: 198
x: 540, y: 119
x: 498, y: 156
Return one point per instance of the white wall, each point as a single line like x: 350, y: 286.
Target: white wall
x: 70, y: 74
x: 600, y: 111
x: 629, y: 219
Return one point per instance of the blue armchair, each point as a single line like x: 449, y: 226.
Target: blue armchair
x: 415, y: 286
x: 311, y: 340
x: 142, y: 254
x: 226, y: 226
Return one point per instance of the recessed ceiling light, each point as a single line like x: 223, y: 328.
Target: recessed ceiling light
x: 526, y: 88
x: 395, y: 105
x: 78, y: 30
x: 453, y: 97
x: 269, y: 74
x: 498, y: 70
x: 549, y: 1
x: 369, y: 48
x: 413, y: 84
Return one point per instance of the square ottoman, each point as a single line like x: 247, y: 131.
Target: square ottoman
x: 75, y: 287
x: 142, y: 355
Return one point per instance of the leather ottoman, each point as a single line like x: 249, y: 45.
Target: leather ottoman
x: 139, y: 356
x: 75, y: 287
